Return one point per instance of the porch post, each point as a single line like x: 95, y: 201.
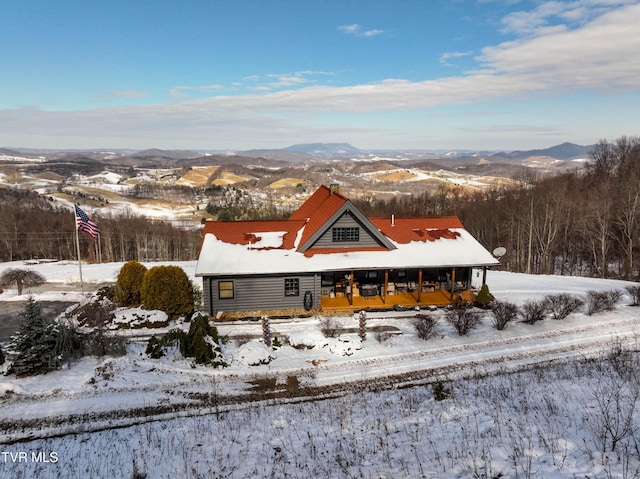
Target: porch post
x: 419, y: 283
x: 453, y: 282
x: 484, y: 275
x: 351, y: 289
x: 386, y: 286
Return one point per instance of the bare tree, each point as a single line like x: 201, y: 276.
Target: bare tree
x: 22, y: 278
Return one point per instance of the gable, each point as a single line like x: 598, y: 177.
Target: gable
x: 345, y: 228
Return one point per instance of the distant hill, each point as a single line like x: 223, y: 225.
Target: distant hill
x: 565, y: 151
x: 173, y: 154
x: 325, y: 150
x: 281, y: 155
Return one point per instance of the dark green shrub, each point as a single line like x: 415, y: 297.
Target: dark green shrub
x: 440, y: 391
x: 168, y: 289
x: 129, y: 284
x: 154, y: 348
x: 42, y: 346
x: 484, y: 297
x: 34, y: 345
x: 200, y: 343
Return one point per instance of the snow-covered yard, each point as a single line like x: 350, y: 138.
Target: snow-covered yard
x: 523, y: 402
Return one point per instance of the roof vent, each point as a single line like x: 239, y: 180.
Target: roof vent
x: 393, y: 220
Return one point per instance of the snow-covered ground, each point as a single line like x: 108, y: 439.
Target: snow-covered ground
x: 524, y: 401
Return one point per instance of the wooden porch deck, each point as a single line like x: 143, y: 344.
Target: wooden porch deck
x: 406, y: 299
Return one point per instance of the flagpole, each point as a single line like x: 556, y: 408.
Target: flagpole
x: 75, y: 221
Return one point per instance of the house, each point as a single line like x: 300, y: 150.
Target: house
x: 329, y: 255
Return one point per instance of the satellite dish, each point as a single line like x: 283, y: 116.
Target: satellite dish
x: 499, y: 252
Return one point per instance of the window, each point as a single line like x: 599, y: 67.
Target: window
x: 349, y: 234
x: 291, y: 287
x: 225, y: 289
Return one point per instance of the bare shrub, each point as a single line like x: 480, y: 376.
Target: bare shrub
x: 463, y: 319
x: 533, y: 311
x: 634, y: 292
x: 382, y: 336
x: 424, y: 325
x: 330, y: 327
x: 562, y: 305
x: 598, y: 301
x: 503, y: 313
x: 101, y: 343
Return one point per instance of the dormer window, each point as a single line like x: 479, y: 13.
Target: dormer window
x: 345, y: 234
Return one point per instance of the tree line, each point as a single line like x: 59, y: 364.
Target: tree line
x: 585, y: 222
x: 35, y: 227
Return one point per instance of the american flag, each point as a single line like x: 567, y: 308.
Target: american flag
x: 83, y: 223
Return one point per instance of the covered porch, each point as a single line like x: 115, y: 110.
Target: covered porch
x: 386, y: 289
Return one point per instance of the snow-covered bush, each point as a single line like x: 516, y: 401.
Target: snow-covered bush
x: 201, y: 342
x: 503, y: 313
x: 533, y: 311
x: 345, y: 346
x: 306, y: 339
x: 463, y: 319
x: 424, y: 325
x: 254, y: 353
x: 562, y: 305
x: 598, y: 301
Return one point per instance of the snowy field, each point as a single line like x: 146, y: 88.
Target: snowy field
x: 555, y: 399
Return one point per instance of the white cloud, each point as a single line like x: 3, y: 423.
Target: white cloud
x: 128, y: 94
x: 356, y: 29
x: 445, y: 57
x: 183, y: 91
x: 595, y: 55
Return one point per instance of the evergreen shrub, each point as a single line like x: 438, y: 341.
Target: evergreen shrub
x: 129, y: 284
x: 168, y: 289
x: 484, y: 297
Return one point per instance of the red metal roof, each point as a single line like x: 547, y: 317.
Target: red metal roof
x: 314, y: 214
x: 248, y: 232
x: 405, y: 230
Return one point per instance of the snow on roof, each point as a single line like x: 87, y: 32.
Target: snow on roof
x: 220, y: 258
x: 275, y: 246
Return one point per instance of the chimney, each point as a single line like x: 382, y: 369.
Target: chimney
x: 334, y: 188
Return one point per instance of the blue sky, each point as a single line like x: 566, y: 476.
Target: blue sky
x: 244, y: 74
